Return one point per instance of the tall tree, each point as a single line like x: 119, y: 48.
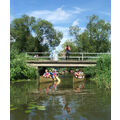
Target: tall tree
x: 99, y: 34
x: 95, y: 38
x: 34, y: 35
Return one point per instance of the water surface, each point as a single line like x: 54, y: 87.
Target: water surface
x: 90, y: 104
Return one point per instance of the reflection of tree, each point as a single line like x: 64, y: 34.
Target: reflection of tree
x: 53, y: 108
x: 67, y: 108
x: 20, y: 92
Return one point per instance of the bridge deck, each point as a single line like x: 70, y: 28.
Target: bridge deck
x: 49, y: 63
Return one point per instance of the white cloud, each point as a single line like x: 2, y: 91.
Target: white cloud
x: 64, y: 30
x: 76, y: 22
x: 78, y: 10
x: 106, y: 13
x: 66, y: 36
x: 58, y: 15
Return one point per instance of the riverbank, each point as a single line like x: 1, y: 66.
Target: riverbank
x: 101, y: 73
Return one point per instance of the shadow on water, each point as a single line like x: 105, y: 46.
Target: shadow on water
x: 29, y: 101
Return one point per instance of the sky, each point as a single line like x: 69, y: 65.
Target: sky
x: 62, y: 13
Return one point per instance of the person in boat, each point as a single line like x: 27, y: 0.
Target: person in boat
x: 76, y: 73
x: 50, y: 72
x: 71, y: 71
x: 67, y: 49
x: 63, y: 72
x: 81, y: 74
x: 53, y: 74
x: 46, y: 74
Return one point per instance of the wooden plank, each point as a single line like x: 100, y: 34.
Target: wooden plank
x: 61, y: 61
x: 61, y: 65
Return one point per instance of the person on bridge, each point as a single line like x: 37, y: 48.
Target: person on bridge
x: 67, y: 49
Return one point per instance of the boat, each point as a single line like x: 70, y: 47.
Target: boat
x: 77, y: 79
x: 47, y: 80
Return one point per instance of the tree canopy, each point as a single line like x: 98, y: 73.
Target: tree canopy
x: 31, y: 34
x: 95, y: 38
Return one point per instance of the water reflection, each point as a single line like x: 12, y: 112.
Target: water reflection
x: 89, y: 103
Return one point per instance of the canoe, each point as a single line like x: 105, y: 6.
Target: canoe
x: 47, y: 80
x: 78, y: 79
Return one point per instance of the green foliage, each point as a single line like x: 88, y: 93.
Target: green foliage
x: 95, y: 37
x: 101, y: 73
x: 74, y: 31
x: 32, y: 34
x: 18, y: 67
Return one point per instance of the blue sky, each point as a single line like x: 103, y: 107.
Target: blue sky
x: 62, y: 13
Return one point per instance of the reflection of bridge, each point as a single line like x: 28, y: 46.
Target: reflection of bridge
x: 43, y: 59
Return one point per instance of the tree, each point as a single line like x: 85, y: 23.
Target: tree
x: 74, y: 31
x: 20, y: 30
x: 34, y: 35
x: 95, y: 38
x: 83, y: 43
x: 99, y: 34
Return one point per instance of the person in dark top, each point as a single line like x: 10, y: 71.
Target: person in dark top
x: 67, y: 49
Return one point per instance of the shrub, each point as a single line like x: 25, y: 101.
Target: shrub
x: 18, y: 67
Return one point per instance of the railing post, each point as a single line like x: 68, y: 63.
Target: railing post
x: 82, y: 56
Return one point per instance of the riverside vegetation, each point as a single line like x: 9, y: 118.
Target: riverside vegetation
x: 101, y: 73
x: 18, y: 67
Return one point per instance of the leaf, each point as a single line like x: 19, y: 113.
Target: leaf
x: 27, y: 111
x: 11, y: 105
x: 41, y: 108
x: 31, y: 107
x: 13, y: 108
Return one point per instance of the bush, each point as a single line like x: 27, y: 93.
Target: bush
x: 101, y: 73
x: 18, y: 67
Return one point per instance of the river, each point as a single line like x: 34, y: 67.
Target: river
x: 29, y: 101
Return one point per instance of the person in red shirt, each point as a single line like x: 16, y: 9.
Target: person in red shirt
x: 67, y: 49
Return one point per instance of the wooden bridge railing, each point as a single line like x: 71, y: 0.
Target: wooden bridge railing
x: 73, y: 56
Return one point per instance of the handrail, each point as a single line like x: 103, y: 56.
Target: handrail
x: 75, y: 55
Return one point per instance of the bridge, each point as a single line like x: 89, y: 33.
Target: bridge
x: 69, y: 63
x: 76, y: 59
